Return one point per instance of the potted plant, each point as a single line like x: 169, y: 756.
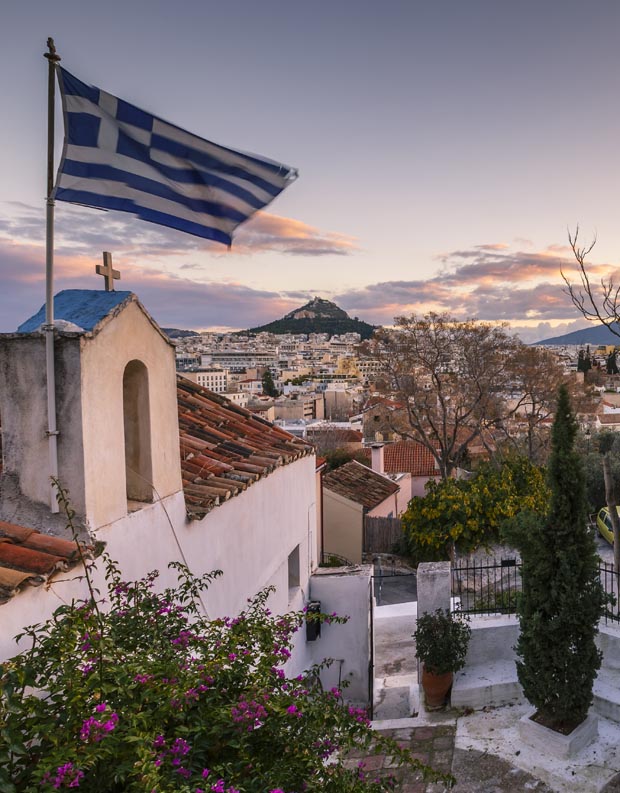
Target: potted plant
x: 441, y: 641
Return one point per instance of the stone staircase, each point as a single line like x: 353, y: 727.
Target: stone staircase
x: 490, y: 674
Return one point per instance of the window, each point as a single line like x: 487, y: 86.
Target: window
x: 293, y: 571
x: 137, y: 425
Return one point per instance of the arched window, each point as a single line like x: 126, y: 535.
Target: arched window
x: 137, y: 423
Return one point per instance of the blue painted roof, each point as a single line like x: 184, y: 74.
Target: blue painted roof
x: 83, y: 307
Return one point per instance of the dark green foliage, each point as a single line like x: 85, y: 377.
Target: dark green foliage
x: 317, y: 316
x: 269, y: 387
x: 317, y: 325
x: 611, y: 364
x: 441, y: 641
x: 591, y: 448
x: 584, y: 363
x: 562, y: 597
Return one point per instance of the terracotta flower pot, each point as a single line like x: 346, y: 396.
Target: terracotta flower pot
x: 436, y: 687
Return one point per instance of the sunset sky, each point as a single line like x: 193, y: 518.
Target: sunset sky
x: 443, y: 148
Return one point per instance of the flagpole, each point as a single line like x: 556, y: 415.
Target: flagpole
x: 52, y: 431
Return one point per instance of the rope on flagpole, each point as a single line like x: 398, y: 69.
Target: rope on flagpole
x: 52, y: 431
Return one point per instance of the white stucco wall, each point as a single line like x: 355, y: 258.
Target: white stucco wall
x: 348, y: 593
x: 249, y: 537
x: 130, y: 336
x: 23, y: 406
x: 342, y: 526
x: 89, y: 392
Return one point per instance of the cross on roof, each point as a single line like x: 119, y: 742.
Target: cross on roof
x: 108, y: 272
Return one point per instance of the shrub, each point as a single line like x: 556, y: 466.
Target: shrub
x: 143, y: 692
x: 441, y: 640
x: 562, y: 598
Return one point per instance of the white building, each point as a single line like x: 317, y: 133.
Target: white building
x: 158, y: 469
x: 215, y: 380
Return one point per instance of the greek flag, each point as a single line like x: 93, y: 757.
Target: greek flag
x: 117, y: 156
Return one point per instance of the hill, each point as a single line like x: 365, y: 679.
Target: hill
x: 317, y: 316
x: 177, y: 333
x: 592, y: 335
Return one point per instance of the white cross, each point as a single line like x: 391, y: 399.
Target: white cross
x: 108, y: 272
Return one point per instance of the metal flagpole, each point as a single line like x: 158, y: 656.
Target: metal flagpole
x: 52, y: 432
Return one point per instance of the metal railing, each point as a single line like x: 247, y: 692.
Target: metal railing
x: 609, y: 579
x: 487, y: 587
x: 493, y: 587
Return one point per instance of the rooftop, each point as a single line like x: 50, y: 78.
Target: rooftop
x: 28, y: 557
x: 225, y: 448
x: 360, y: 484
x: 84, y: 311
x: 410, y: 457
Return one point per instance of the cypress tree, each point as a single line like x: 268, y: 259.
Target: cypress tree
x: 562, y: 597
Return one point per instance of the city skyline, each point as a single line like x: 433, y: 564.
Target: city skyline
x: 443, y: 153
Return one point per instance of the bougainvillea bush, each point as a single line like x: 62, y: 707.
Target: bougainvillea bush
x: 140, y: 691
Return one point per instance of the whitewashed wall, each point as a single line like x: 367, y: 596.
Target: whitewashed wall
x: 248, y: 537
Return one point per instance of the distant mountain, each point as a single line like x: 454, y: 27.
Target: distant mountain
x: 177, y: 333
x: 592, y: 335
x: 317, y: 316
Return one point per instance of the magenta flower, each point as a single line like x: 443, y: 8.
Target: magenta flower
x: 66, y: 776
x: 93, y: 730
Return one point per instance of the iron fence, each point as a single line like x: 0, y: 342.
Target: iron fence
x: 609, y: 579
x: 485, y: 587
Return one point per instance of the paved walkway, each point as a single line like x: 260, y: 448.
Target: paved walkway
x: 481, y: 750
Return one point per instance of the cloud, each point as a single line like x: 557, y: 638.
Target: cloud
x: 172, y: 300
x: 77, y: 228
x: 490, y: 282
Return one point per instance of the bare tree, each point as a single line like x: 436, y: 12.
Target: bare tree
x: 599, y: 303
x: 452, y: 379
x: 538, y: 375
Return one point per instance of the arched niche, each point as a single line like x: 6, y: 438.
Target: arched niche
x: 137, y: 424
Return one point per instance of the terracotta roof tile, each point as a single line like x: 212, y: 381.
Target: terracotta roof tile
x: 226, y: 448
x: 402, y: 457
x: 360, y: 484
x: 30, y: 557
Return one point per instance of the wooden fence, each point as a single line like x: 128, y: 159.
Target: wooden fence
x: 381, y: 534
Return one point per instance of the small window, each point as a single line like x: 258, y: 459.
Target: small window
x: 293, y: 570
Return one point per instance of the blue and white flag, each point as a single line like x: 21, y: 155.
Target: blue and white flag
x: 117, y: 156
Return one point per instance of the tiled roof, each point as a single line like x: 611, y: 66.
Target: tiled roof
x: 29, y: 557
x: 360, y: 484
x: 408, y: 457
x: 225, y: 448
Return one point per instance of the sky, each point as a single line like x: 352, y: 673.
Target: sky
x: 444, y: 150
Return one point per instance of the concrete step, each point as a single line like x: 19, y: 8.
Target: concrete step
x: 395, y: 697
x: 606, y: 699
x: 493, y: 683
